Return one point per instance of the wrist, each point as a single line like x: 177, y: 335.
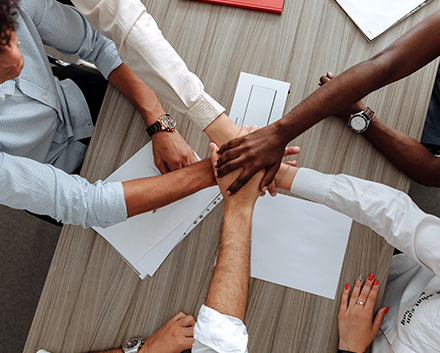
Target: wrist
x: 238, y: 208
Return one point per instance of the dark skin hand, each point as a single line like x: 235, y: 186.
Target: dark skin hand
x: 264, y: 148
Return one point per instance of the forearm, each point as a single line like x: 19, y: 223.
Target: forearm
x: 415, y: 49
x: 230, y: 282
x: 143, y: 195
x: 407, y: 154
x: 138, y: 93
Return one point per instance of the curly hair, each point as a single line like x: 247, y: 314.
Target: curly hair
x: 8, y: 10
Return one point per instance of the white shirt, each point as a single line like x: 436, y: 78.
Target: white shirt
x: 413, y: 288
x: 143, y: 48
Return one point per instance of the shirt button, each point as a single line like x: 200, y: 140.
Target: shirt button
x: 45, y: 98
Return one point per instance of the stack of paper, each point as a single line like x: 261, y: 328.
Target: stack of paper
x: 373, y: 17
x: 146, y: 240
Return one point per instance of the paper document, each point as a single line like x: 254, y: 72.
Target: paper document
x: 146, y: 239
x: 373, y: 17
x: 298, y: 244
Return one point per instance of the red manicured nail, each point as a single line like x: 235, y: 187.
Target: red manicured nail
x: 375, y: 283
x: 386, y: 309
x: 347, y: 286
x: 371, y: 277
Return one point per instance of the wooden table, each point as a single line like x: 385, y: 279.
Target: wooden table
x: 93, y: 300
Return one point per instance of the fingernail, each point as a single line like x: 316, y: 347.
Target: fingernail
x: 273, y: 194
x: 228, y: 192
x: 386, y: 309
x: 347, y: 286
x: 371, y: 277
x: 265, y: 189
x: 216, y: 174
x: 215, y: 164
x: 360, y: 278
x: 375, y: 283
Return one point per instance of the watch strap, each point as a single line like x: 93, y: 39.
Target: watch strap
x: 369, y: 113
x: 153, y: 128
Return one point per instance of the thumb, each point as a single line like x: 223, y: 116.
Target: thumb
x: 214, y: 152
x: 380, y: 315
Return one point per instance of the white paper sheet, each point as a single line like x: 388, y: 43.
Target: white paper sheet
x: 374, y: 17
x: 298, y: 244
x: 138, y: 235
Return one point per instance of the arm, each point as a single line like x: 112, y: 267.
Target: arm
x: 169, y: 148
x: 264, y: 148
x: 143, y: 48
x: 407, y: 154
x: 43, y: 189
x: 389, y: 212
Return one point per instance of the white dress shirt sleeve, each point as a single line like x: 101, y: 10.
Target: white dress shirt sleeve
x: 44, y: 189
x: 216, y: 332
x: 143, y: 48
x: 389, y: 212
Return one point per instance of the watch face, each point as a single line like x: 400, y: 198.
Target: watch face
x: 358, y: 122
x: 132, y: 342
x: 168, y: 121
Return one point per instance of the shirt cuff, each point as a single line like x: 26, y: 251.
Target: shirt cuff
x: 204, y: 111
x: 222, y: 333
x: 312, y: 185
x: 108, y: 59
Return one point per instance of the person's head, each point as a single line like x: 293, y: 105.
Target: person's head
x: 11, y: 59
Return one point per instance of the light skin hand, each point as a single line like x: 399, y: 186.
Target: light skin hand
x: 356, y: 325
x: 171, y: 150
x: 174, y: 337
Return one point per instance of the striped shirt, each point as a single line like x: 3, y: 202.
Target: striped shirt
x: 43, y: 119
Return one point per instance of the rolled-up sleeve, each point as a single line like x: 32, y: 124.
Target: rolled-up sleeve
x: 143, y: 48
x: 71, y: 199
x: 389, y: 212
x: 216, y: 332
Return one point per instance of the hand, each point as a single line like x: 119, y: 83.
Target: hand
x: 248, y: 194
x: 258, y: 150
x: 357, y: 328
x: 174, y: 337
x: 345, y: 113
x: 170, y: 149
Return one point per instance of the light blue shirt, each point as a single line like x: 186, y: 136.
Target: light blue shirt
x: 42, y: 119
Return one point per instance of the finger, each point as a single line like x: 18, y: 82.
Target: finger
x: 188, y: 331
x: 230, y: 144
x: 289, y: 151
x: 293, y: 163
x: 178, y: 316
x: 186, y: 344
x: 344, y: 299
x: 379, y: 318
x: 272, y: 188
x: 371, y: 300
x: 330, y: 75
x: 253, y: 128
x: 355, y: 293
x: 244, y: 130
x: 268, y: 177
x: 163, y: 168
x: 231, y: 166
x: 363, y: 296
x: 227, y: 157
x: 188, y: 320
x: 323, y: 79
x: 214, y: 152
x: 241, y: 180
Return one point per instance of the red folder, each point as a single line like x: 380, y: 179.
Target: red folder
x: 274, y: 6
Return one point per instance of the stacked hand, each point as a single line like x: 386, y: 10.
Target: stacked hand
x: 357, y: 328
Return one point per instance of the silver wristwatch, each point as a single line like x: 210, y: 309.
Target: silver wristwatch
x: 132, y: 345
x: 359, y: 122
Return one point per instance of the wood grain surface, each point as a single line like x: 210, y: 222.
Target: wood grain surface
x: 93, y: 300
